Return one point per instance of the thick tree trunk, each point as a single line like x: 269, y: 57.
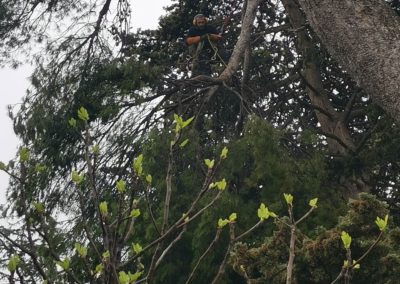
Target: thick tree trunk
x: 364, y: 38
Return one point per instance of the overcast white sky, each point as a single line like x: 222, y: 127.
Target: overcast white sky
x: 13, y: 83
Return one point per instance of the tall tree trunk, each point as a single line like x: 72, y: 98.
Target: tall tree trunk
x: 333, y: 123
x: 364, y: 38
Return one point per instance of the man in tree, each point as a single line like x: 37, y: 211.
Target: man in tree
x: 201, y: 40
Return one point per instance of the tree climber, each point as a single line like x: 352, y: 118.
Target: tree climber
x: 201, y: 40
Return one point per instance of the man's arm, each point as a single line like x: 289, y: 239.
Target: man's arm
x: 215, y: 37
x: 190, y: 40
x: 196, y: 39
x: 214, y: 34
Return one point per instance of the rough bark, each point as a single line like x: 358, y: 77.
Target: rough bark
x: 364, y: 38
x: 333, y: 123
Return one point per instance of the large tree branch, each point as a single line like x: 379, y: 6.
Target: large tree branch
x: 243, y: 41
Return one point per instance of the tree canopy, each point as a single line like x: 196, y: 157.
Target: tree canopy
x: 278, y: 167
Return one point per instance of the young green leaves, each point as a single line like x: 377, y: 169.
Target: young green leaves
x: 127, y: 278
x: 382, y: 223
x: 13, y: 263
x: 220, y: 185
x: 3, y: 166
x: 137, y: 165
x: 64, y: 264
x: 183, y: 144
x: 313, y: 202
x: 39, y: 207
x: 136, y: 248
x: 120, y: 185
x: 180, y: 123
x: 149, y: 179
x: 83, y: 114
x: 72, y: 122
x: 209, y: 163
x: 80, y: 250
x: 103, y: 209
x: 223, y: 222
x: 263, y: 213
x: 224, y: 153
x: 24, y: 154
x: 288, y: 198
x: 135, y: 213
x: 346, y: 239
x: 76, y: 178
x: 232, y: 217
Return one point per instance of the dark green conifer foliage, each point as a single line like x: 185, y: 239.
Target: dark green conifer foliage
x: 276, y: 145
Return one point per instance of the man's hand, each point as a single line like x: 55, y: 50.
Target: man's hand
x: 215, y: 37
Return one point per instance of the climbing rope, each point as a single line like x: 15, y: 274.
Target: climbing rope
x: 215, y: 49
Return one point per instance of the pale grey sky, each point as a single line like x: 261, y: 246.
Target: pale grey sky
x: 13, y: 83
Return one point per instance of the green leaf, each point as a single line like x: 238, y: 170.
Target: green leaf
x: 3, y: 166
x: 120, y: 185
x: 263, y: 212
x: 81, y: 250
x: 288, y: 198
x: 224, y: 153
x: 45, y: 282
x: 149, y: 179
x: 76, y: 178
x: 106, y: 255
x: 39, y: 207
x: 137, y: 165
x: 357, y: 266
x: 134, y: 277
x: 382, y: 223
x: 135, y: 213
x: 123, y: 278
x: 178, y: 119
x: 72, y: 122
x: 313, y: 202
x: 24, y: 154
x: 13, y: 263
x: 232, y: 217
x: 103, y: 208
x: 179, y: 122
x: 64, y: 264
x: 346, y: 239
x: 209, y: 163
x: 222, y: 223
x: 221, y: 185
x: 187, y: 122
x: 137, y: 248
x: 272, y: 214
x: 83, y: 114
x: 95, y: 149
x: 40, y: 168
x: 183, y: 144
x: 99, y: 268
